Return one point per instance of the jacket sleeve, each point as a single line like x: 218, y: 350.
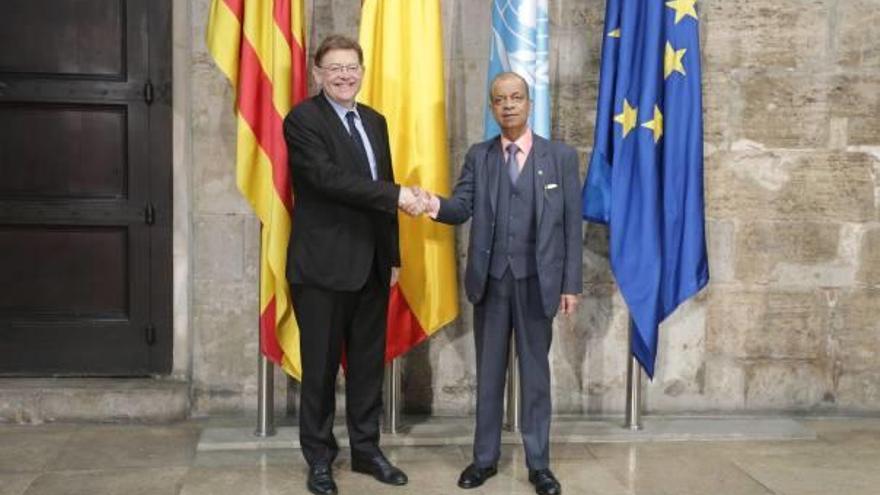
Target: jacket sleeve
x: 395, y: 225
x: 572, y: 276
x: 310, y: 164
x: 460, y: 206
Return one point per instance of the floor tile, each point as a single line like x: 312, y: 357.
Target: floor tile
x: 264, y: 480
x: 16, y: 483
x: 102, y: 447
x: 787, y: 477
x: 250, y: 458
x: 26, y: 450
x: 587, y: 477
x: 680, y: 474
x: 451, y: 455
x: 424, y: 477
x: 156, y: 481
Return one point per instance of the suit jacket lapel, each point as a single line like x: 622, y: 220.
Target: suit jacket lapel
x: 542, y: 166
x: 341, y: 133
x: 494, y: 164
x: 330, y: 114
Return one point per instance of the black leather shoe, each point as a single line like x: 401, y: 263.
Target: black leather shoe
x: 474, y: 476
x: 544, y: 481
x: 379, y: 467
x: 321, y: 480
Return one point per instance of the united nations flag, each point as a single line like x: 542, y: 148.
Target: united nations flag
x: 646, y: 173
x: 520, y: 43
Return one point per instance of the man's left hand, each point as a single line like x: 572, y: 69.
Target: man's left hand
x: 568, y: 304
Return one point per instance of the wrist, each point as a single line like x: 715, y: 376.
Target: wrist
x: 401, y: 195
x: 433, y: 206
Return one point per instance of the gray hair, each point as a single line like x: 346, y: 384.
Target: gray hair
x: 508, y: 75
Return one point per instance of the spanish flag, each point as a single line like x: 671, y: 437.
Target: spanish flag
x: 259, y: 46
x: 403, y: 59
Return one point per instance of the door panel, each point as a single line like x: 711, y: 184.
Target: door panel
x: 75, y: 151
x: 64, y: 37
x: 70, y: 272
x: 85, y: 187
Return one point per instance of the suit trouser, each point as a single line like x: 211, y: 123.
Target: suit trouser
x: 328, y: 322
x: 512, y: 304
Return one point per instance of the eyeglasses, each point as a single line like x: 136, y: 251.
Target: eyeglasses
x: 341, y: 69
x: 515, y: 99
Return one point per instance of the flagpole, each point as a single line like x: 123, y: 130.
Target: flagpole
x: 392, y: 397
x: 513, y: 389
x: 265, y: 375
x: 633, y: 388
x: 265, y: 398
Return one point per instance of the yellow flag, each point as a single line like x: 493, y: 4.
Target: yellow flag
x: 403, y: 56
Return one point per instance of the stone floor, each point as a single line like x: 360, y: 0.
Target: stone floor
x: 158, y: 460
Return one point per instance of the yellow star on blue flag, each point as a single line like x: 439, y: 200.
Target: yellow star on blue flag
x: 672, y: 61
x: 683, y: 8
x: 655, y: 124
x: 627, y: 118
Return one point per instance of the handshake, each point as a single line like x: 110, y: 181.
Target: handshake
x: 415, y: 201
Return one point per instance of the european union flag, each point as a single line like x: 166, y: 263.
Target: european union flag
x: 520, y: 43
x: 646, y: 172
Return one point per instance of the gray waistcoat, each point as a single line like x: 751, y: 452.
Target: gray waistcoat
x: 515, y: 230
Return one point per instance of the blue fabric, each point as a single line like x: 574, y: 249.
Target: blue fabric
x: 520, y: 43
x: 649, y: 190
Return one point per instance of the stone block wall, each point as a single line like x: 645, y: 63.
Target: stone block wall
x: 791, y: 318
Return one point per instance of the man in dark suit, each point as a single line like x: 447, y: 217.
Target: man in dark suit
x: 522, y: 193
x: 340, y: 261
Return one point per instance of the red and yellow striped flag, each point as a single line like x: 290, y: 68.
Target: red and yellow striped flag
x: 259, y: 45
x: 403, y: 56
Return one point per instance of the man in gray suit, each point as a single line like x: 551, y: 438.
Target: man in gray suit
x: 522, y: 193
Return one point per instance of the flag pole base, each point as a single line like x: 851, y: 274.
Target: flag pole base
x: 265, y: 398
x: 633, y: 390
x: 391, y: 423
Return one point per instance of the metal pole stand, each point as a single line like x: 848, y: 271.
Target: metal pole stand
x: 391, y: 412
x: 633, y: 389
x: 512, y: 415
x: 265, y: 383
x: 265, y: 398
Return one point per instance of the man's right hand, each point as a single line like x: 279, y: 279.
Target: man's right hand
x: 432, y: 205
x: 411, y: 200
x: 416, y: 201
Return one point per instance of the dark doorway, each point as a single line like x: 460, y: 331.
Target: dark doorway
x: 85, y: 187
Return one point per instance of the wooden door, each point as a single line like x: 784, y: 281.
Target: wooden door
x: 85, y: 187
